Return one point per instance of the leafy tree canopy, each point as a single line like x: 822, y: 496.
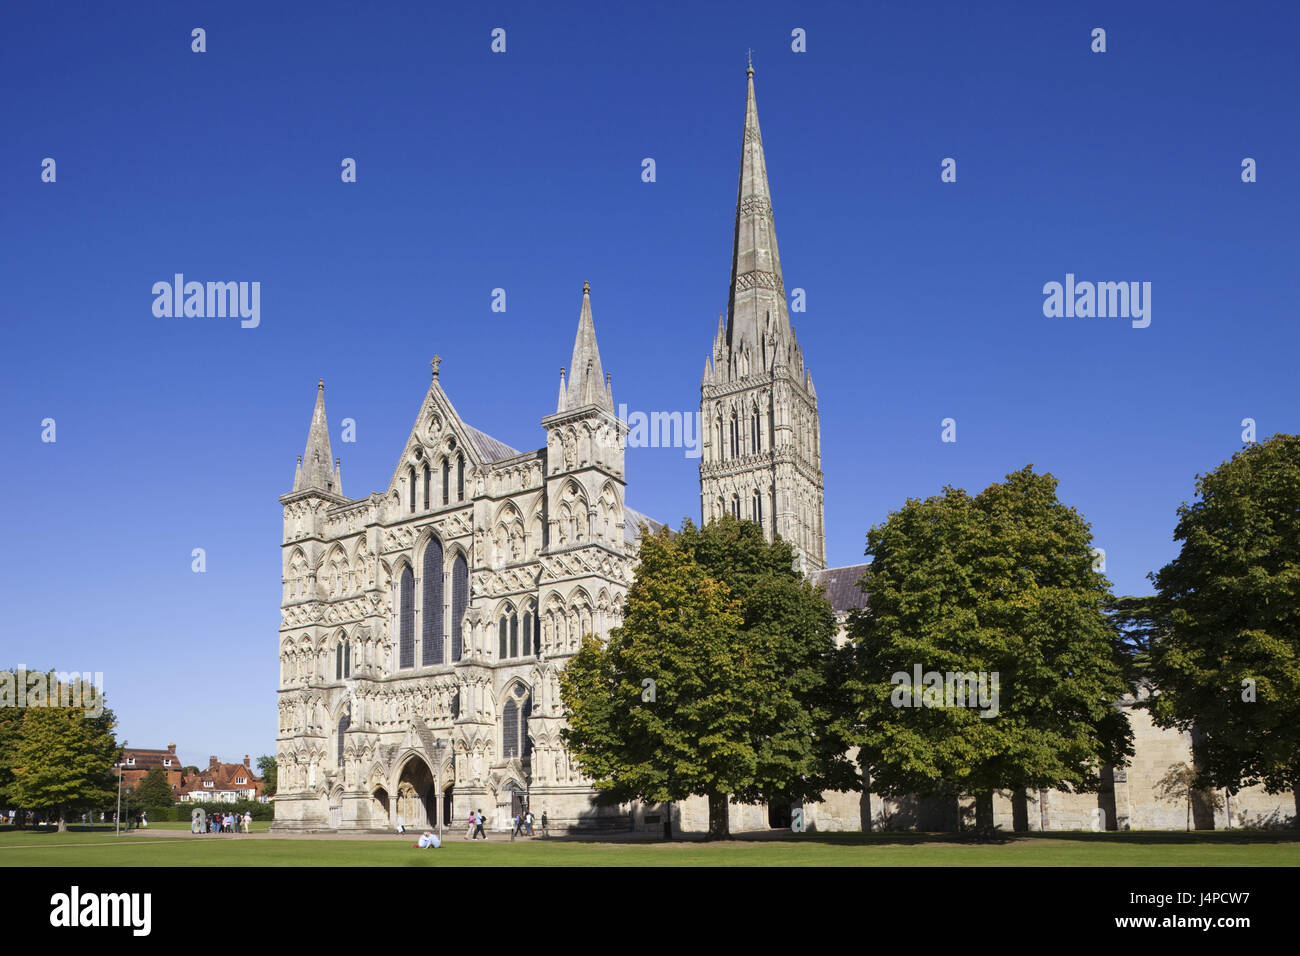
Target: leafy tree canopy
x: 1226, y: 659
x: 999, y: 584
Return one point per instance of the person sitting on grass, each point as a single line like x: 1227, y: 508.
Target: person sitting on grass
x: 428, y: 840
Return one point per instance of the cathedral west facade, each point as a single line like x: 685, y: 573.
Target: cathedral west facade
x: 424, y: 627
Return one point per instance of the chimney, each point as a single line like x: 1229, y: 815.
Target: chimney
x: 171, y: 748
x: 213, y: 762
x: 246, y: 760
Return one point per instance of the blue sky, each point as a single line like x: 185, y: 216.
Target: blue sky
x: 522, y: 171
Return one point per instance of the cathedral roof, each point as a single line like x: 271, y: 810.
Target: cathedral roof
x: 632, y: 521
x: 488, y: 448
x: 841, y: 585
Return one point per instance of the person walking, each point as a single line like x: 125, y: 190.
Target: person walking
x: 469, y: 832
x: 528, y: 822
x: 545, y: 831
x: 518, y: 821
x: 479, y: 819
x: 248, y: 821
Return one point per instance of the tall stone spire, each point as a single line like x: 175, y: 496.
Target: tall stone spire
x: 761, y: 447
x: 317, y: 470
x: 757, y: 288
x: 587, y: 385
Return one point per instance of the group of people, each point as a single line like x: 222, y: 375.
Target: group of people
x: 231, y: 822
x: 520, y: 823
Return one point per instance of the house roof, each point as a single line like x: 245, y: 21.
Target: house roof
x: 842, y: 591
x: 223, y: 777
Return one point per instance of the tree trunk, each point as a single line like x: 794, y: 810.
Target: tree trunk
x: 984, y: 811
x: 719, y: 826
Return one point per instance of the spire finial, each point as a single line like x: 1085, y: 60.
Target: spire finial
x: 434, y: 363
x: 586, y: 288
x: 750, y: 68
x: 320, y: 385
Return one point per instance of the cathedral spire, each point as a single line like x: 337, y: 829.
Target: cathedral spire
x: 757, y: 288
x: 587, y: 384
x: 317, y: 469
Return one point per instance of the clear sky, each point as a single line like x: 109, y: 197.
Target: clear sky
x: 522, y: 171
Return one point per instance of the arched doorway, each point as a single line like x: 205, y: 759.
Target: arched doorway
x: 448, y: 806
x: 415, y: 808
x: 379, y: 807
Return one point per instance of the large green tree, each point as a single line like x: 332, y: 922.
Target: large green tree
x: 64, y: 760
x: 1000, y: 588
x: 800, y: 729
x: 721, y: 681
x: 1226, y: 658
x: 266, y: 766
x: 153, y: 792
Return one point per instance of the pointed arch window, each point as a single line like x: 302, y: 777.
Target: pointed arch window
x: 503, y: 641
x: 530, y: 634
x: 446, y: 481
x: 514, y: 635
x: 735, y: 506
x: 459, y: 601
x: 431, y: 639
x: 514, y: 723
x: 735, y: 436
x: 426, y: 487
x: 411, y: 476
x: 406, y: 621
x: 510, y: 729
x: 342, y: 660
x: 460, y: 477
x: 344, y: 723
x: 756, y: 431
x: 758, y: 506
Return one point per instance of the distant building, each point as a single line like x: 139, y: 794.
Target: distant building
x: 136, y: 762
x: 222, y: 783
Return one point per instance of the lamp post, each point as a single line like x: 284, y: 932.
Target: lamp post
x: 117, y: 817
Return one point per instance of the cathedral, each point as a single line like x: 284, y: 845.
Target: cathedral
x: 424, y: 627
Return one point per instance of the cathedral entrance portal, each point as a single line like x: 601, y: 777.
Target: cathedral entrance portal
x: 415, y: 802
x: 448, y: 806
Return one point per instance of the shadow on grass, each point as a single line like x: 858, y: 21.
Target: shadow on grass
x: 998, y: 838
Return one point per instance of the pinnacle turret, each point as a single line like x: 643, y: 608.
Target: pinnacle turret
x: 317, y: 468
x: 587, y: 383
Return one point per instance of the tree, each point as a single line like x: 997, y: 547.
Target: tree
x: 266, y: 766
x: 1180, y: 783
x: 994, y: 598
x: 800, y: 728
x: 722, y: 681
x: 64, y: 760
x: 11, y: 722
x: 1226, y: 661
x: 154, y: 792
x: 659, y: 712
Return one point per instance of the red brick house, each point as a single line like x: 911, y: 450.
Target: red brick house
x: 137, y: 761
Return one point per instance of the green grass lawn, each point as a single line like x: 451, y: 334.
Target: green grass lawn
x: 168, y: 845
